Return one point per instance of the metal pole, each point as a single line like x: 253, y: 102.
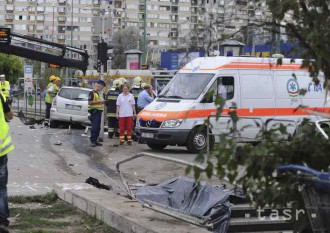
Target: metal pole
x: 145, y: 34
x: 40, y: 99
x: 35, y: 99
x: 102, y: 78
x: 53, y: 28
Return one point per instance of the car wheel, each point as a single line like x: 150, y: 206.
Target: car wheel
x: 197, y: 141
x: 156, y: 146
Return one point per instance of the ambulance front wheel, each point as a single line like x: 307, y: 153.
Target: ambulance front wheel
x: 197, y: 141
x: 156, y: 146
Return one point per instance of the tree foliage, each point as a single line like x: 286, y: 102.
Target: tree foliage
x: 308, y: 22
x: 11, y: 66
x: 124, y: 40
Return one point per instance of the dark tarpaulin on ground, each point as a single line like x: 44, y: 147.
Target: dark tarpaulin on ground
x: 183, y: 194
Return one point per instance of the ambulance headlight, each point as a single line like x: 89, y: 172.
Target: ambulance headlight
x: 172, y: 123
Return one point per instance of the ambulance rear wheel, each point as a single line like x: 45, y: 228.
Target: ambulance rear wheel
x: 197, y: 141
x: 156, y: 146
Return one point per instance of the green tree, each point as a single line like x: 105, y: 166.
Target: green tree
x: 254, y: 167
x: 124, y: 40
x: 11, y: 66
x: 308, y: 22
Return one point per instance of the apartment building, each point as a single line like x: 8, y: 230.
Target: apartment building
x: 63, y: 21
x: 169, y: 23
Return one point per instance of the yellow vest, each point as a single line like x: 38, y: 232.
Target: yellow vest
x: 6, y: 144
x: 49, y: 97
x: 96, y: 97
x: 6, y: 86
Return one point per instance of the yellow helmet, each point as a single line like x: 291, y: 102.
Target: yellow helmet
x: 52, y: 78
x: 116, y: 83
x: 137, y: 81
x: 123, y: 81
x: 58, y: 79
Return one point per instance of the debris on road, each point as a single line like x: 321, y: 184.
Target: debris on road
x: 58, y: 143
x: 97, y: 184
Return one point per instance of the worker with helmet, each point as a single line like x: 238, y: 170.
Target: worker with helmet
x: 123, y: 81
x: 5, y: 89
x: 51, y: 92
x: 113, y: 93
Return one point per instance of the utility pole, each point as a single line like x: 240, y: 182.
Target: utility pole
x: 71, y: 43
x: 145, y: 34
x: 101, y: 137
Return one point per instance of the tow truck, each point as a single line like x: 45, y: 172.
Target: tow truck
x: 42, y: 50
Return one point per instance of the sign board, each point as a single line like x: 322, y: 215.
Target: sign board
x: 53, y: 66
x: 5, y: 35
x: 144, y: 67
x: 28, y: 75
x: 132, y: 61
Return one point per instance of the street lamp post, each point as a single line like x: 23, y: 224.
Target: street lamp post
x: 145, y: 34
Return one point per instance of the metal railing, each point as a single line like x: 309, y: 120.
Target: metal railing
x: 319, y: 127
x: 236, y: 132
x: 198, y: 221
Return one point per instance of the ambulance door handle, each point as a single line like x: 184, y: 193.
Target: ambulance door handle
x: 232, y: 108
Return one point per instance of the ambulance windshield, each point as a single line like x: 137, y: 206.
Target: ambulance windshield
x: 186, y: 86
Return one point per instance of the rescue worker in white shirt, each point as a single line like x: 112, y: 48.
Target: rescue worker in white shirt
x: 5, y: 89
x: 52, y: 88
x: 136, y: 89
x: 113, y: 93
x: 95, y: 108
x: 125, y: 114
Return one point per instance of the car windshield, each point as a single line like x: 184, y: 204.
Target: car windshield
x: 74, y: 94
x: 186, y: 86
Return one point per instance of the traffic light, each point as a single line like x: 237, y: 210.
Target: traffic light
x: 102, y: 52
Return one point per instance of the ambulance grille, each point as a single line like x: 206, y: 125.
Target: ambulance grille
x: 150, y: 124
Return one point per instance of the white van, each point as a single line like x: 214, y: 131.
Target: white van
x: 259, y: 87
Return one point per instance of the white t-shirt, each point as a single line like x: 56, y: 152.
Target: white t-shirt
x: 125, y: 103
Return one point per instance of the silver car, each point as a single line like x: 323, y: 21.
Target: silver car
x: 70, y: 105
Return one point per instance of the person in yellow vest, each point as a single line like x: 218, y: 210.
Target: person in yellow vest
x: 95, y: 108
x: 51, y: 92
x: 5, y: 88
x: 5, y: 147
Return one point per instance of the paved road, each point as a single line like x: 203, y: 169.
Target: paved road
x: 37, y: 163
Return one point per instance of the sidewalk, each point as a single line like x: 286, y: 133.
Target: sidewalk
x: 120, y: 213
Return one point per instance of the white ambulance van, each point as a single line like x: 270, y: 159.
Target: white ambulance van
x: 259, y: 87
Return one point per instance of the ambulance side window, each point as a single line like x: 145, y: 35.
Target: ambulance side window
x: 225, y: 87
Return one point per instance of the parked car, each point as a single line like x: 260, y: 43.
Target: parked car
x: 70, y: 105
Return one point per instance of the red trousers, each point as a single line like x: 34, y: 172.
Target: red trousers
x: 125, y: 125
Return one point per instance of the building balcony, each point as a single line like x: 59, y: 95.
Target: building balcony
x: 61, y: 41
x: 9, y: 20
x: 32, y: 3
x: 62, y: 2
